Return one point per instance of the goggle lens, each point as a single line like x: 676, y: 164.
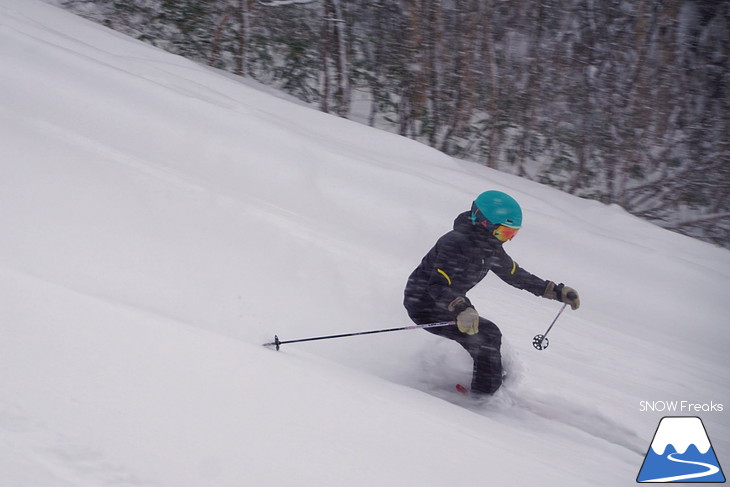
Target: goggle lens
x: 505, y: 234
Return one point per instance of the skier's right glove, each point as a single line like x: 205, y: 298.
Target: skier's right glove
x: 467, y: 318
x: 561, y: 292
x: 468, y: 321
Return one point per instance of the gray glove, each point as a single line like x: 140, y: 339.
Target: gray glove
x: 561, y: 292
x: 467, y: 318
x: 468, y: 321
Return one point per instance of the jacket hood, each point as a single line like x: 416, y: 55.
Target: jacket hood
x: 480, y: 236
x: 462, y: 223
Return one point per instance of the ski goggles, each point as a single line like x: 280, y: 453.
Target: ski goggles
x: 504, y: 233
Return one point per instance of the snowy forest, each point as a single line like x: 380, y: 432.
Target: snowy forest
x: 626, y: 102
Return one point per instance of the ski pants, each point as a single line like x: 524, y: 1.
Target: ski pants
x: 484, y: 348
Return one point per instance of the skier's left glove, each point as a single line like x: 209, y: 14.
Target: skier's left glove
x: 561, y: 292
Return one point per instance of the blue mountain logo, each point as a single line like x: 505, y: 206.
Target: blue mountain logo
x: 681, y: 452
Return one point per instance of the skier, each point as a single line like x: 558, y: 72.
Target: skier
x: 436, y: 289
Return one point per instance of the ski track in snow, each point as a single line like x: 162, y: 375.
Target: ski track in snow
x: 553, y: 408
x: 544, y: 411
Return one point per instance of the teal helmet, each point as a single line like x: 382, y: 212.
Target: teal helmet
x: 494, y: 208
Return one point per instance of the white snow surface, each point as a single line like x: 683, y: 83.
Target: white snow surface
x: 160, y: 221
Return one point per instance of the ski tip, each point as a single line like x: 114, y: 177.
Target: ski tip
x: 461, y: 389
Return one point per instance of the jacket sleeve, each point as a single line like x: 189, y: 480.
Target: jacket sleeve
x: 514, y: 275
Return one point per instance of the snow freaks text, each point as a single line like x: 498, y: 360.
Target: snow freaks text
x: 679, y: 406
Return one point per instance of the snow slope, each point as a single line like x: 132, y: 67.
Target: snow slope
x: 161, y: 221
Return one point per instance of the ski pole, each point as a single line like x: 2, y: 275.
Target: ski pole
x: 277, y: 343
x: 541, y: 342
